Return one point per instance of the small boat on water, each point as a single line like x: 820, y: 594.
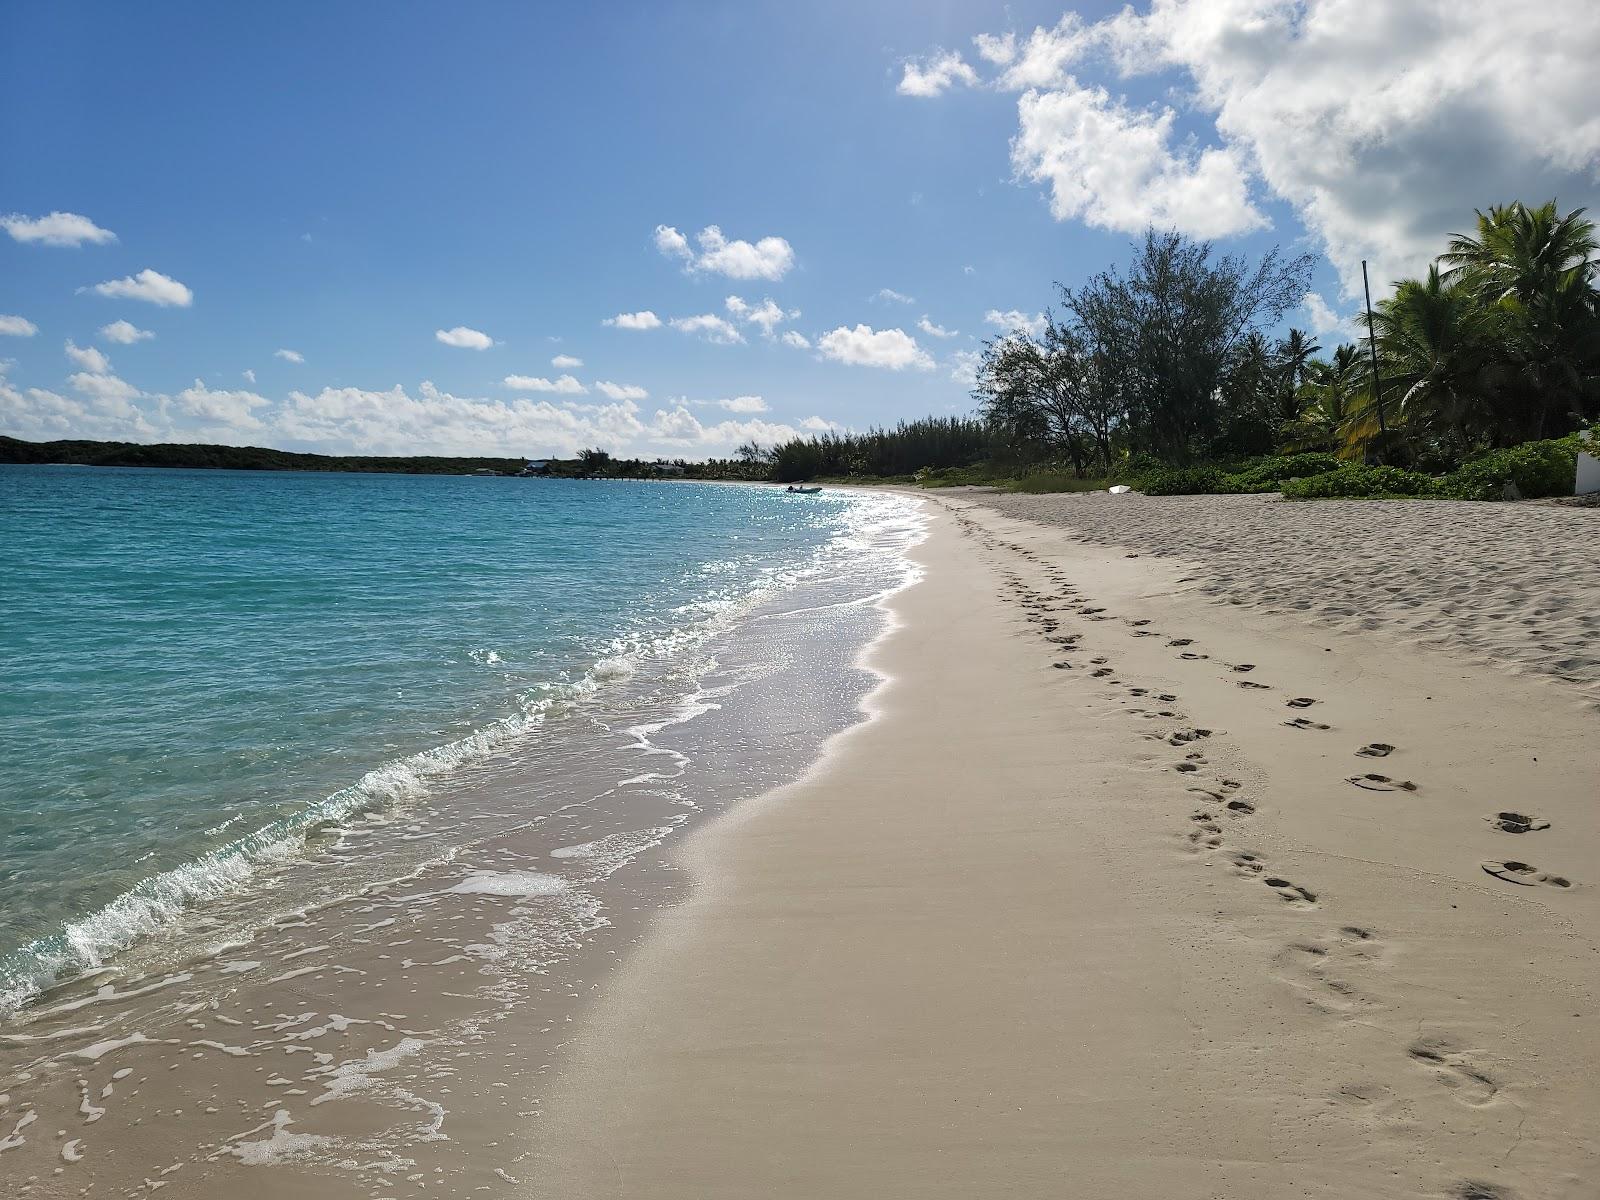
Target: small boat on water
x: 802, y: 491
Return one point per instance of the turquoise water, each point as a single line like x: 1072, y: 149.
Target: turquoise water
x: 208, y: 674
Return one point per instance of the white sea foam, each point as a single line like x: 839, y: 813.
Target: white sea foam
x: 510, y: 883
x: 279, y: 1146
x: 610, y: 669
x: 357, y: 1074
x: 99, y: 1050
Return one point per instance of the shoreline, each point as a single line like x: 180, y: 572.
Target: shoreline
x: 1135, y: 923
x: 394, y: 1036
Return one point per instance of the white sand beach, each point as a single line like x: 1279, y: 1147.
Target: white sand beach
x: 1128, y: 890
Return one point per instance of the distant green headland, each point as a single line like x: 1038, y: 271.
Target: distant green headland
x: 589, y: 464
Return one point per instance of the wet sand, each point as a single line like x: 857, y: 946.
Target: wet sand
x: 1130, y: 890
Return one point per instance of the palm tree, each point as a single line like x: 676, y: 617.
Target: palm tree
x: 1522, y: 253
x: 1538, y: 267
x: 1334, y: 402
x: 1438, y: 344
x: 1294, y: 353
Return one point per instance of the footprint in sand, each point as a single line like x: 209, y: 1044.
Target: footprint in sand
x: 1512, y: 822
x: 1291, y: 893
x: 1376, y: 750
x: 1301, y: 702
x: 1062, y: 666
x: 1181, y: 642
x: 1311, y: 968
x: 1382, y: 783
x: 1243, y: 667
x: 1188, y: 657
x: 1102, y: 672
x: 1166, y: 697
x: 1256, y: 687
x: 1246, y: 863
x: 1441, y: 1056
x: 1524, y: 875
x: 1476, y: 1189
x: 1306, y: 723
x: 1242, y: 808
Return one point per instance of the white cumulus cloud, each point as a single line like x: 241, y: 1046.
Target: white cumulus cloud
x: 932, y: 330
x: 620, y: 391
x: 89, y: 358
x: 43, y: 415
x: 232, y: 411
x: 1031, y: 324
x: 125, y: 333
x: 769, y: 258
x: 963, y: 366
x: 104, y: 388
x: 353, y: 420
x: 936, y: 73
x: 56, y: 229
x: 566, y: 385
x: 15, y: 326
x: 1042, y: 60
x: 565, y: 362
x: 710, y: 327
x: 767, y: 315
x: 1118, y: 167
x: 797, y: 340
x: 1382, y: 126
x: 644, y: 319
x: 150, y: 286
x: 464, y: 338
x: 293, y: 356
x: 890, y: 296
x: 1323, y: 320
x: 864, y: 346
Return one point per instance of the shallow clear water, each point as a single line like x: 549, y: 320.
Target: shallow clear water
x: 205, y: 676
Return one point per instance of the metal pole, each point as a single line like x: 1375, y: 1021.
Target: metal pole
x: 1372, y: 344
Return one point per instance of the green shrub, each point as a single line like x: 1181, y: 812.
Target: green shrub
x: 1356, y: 481
x: 1265, y: 474
x: 1134, y: 465
x: 1253, y: 475
x: 937, y: 477
x: 1533, y: 468
x: 1057, y: 481
x: 1182, y: 481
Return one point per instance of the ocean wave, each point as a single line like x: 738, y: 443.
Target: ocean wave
x: 160, y: 901
x: 153, y: 904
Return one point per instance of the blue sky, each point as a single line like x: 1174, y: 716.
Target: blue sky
x: 344, y: 181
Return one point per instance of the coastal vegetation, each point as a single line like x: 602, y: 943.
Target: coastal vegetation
x: 1479, y: 380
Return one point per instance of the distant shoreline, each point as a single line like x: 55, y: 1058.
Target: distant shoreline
x: 212, y: 457
x: 80, y: 453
